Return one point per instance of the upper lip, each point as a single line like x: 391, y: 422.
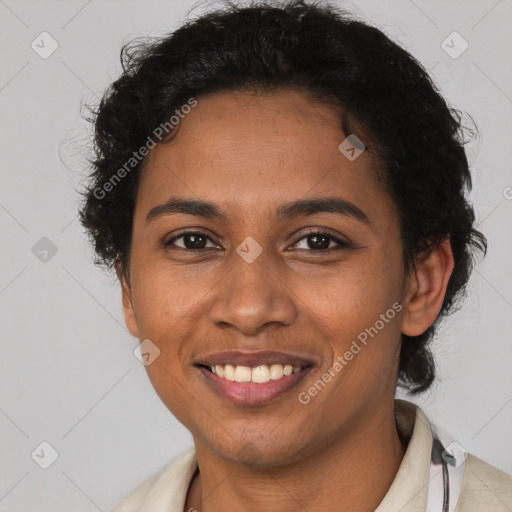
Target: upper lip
x: 254, y: 358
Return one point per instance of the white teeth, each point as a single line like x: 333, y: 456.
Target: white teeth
x: 276, y: 371
x: 229, y: 372
x: 242, y: 374
x: 259, y: 374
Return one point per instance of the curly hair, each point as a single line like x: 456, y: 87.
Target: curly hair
x: 380, y: 89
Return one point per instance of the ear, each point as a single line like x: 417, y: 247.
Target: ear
x: 128, y: 311
x: 425, y: 289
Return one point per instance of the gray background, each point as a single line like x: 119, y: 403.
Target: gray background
x: 68, y: 373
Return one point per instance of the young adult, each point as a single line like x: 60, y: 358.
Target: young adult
x: 282, y: 192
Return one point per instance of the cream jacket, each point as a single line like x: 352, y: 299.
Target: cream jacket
x: 484, y: 488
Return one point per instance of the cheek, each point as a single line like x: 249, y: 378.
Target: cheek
x: 163, y: 299
x: 348, y: 300
x: 358, y: 310
x: 168, y: 314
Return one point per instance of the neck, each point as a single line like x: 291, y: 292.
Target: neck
x: 354, y: 471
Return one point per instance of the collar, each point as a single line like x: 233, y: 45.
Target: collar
x: 408, y: 492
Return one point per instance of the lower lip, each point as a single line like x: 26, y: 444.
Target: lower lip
x: 252, y: 393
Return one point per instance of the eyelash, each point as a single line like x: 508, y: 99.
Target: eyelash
x: 342, y: 244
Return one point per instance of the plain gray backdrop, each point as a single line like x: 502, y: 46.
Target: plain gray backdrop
x: 69, y: 377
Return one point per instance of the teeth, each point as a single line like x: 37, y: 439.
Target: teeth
x: 276, y: 371
x: 229, y: 372
x: 259, y: 374
x: 242, y: 374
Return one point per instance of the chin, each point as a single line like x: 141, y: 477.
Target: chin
x: 258, y: 451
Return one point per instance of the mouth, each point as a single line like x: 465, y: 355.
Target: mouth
x: 253, y: 378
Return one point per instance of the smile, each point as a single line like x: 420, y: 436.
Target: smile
x: 258, y: 374
x: 254, y: 377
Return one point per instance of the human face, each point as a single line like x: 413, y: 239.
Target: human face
x: 247, y: 156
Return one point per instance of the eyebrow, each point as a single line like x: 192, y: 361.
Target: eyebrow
x: 286, y: 211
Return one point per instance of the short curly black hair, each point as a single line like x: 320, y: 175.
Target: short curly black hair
x: 320, y: 49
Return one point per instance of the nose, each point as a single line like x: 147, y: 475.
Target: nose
x: 252, y: 296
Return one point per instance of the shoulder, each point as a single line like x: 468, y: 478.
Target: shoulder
x: 165, y: 487
x: 484, y: 487
x: 133, y: 501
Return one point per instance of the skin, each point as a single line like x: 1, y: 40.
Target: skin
x: 248, y: 154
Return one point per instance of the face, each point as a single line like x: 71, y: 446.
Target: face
x: 252, y: 280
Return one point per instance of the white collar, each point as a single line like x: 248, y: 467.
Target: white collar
x: 408, y: 492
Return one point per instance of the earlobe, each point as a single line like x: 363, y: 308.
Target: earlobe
x: 126, y: 293
x: 426, y: 289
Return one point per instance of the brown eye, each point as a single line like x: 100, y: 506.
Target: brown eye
x: 194, y: 241
x: 318, y: 241
x: 190, y: 241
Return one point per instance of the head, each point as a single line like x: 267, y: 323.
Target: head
x: 234, y: 129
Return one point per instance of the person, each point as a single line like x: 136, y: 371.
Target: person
x: 282, y: 192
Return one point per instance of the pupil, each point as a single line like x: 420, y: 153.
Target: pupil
x: 319, y: 242
x: 198, y: 241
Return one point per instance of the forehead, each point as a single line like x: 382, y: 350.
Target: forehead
x: 248, y: 151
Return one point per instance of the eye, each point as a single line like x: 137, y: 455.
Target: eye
x: 320, y: 241
x: 314, y: 241
x: 190, y: 241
